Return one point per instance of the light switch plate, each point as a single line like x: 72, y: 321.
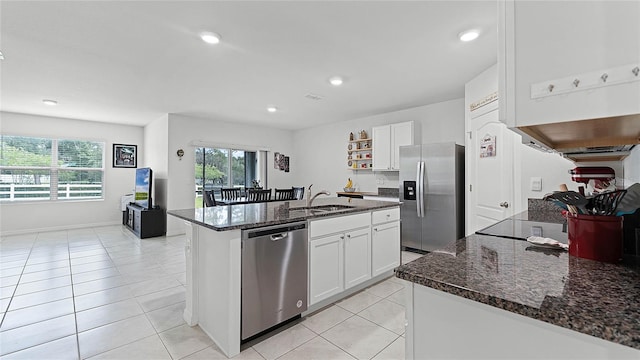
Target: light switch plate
x: 536, y: 184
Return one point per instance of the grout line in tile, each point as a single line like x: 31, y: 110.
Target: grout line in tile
x: 391, y: 343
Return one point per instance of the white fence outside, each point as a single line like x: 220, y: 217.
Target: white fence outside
x: 18, y: 192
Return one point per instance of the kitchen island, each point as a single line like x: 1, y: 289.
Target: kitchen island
x: 493, y: 297
x: 214, y: 252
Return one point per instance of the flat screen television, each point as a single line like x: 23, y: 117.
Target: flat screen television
x: 142, y: 194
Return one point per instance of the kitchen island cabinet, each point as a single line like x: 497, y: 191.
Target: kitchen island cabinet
x: 385, y: 240
x: 339, y: 255
x: 214, y: 252
x: 505, y: 298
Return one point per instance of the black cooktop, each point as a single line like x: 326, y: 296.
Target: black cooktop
x: 522, y: 229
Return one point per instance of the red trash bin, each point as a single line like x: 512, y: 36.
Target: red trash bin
x: 595, y: 237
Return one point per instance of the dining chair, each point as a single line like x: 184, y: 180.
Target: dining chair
x: 209, y: 198
x: 284, y: 194
x: 230, y: 194
x: 298, y: 192
x: 256, y: 195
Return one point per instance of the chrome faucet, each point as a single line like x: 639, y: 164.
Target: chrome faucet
x: 311, y: 198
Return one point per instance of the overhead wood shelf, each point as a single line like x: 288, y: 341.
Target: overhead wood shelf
x: 603, y: 139
x: 612, y: 131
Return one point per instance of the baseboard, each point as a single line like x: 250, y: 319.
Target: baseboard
x: 337, y: 297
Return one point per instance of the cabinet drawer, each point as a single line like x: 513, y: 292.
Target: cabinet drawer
x: 382, y: 216
x: 338, y: 224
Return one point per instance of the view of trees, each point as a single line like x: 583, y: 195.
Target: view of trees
x: 29, y: 161
x: 212, y: 167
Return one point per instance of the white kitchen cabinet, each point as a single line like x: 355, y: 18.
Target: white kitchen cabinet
x: 357, y: 257
x: 387, y: 140
x: 385, y: 241
x: 562, y: 61
x: 326, y: 270
x: 339, y: 254
x: 381, y: 147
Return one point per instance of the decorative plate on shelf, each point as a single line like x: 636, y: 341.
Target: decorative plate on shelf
x: 350, y: 163
x: 350, y: 146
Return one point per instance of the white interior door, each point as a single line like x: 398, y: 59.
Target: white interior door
x: 491, y: 178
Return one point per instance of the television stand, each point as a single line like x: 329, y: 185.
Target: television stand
x: 145, y: 223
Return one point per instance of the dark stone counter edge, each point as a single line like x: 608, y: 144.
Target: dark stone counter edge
x: 282, y: 221
x: 556, y: 317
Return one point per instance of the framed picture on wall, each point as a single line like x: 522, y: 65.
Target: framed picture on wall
x: 125, y: 156
x: 276, y: 161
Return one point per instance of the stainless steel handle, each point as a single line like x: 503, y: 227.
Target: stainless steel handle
x: 420, y: 187
x: 375, y: 229
x: 276, y: 237
x: 342, y: 237
x: 504, y: 204
x: 417, y: 192
x: 349, y: 235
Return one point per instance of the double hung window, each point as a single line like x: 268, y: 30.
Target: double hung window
x: 34, y: 168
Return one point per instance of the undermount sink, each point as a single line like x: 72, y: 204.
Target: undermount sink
x: 323, y: 208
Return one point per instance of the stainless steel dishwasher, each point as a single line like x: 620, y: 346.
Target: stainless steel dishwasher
x: 274, y: 276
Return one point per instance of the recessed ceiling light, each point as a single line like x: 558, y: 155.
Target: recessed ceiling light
x: 469, y: 35
x: 272, y: 109
x: 50, y: 102
x: 1, y: 56
x: 210, y: 37
x: 336, y: 81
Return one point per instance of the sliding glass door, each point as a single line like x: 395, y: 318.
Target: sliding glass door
x: 217, y: 168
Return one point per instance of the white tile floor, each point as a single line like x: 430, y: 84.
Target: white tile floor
x: 102, y: 293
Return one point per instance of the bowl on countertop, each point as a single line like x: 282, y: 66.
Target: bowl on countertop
x: 351, y: 189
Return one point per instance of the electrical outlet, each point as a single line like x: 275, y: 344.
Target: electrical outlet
x: 536, y: 184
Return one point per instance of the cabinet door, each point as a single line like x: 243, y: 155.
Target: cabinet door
x: 532, y: 56
x: 401, y: 135
x: 381, y: 148
x: 385, y: 247
x: 325, y: 267
x: 357, y: 257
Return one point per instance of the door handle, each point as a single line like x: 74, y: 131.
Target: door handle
x: 420, y: 187
x: 504, y: 204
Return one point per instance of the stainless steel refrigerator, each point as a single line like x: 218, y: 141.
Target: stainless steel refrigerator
x: 432, y: 195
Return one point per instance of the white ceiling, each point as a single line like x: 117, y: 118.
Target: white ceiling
x: 132, y: 62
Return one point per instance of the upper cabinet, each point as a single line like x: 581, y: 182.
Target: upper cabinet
x: 387, y: 140
x: 569, y: 72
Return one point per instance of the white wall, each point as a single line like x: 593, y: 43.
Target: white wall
x: 321, y: 152
x: 632, y: 167
x: 552, y: 168
x: 52, y: 215
x: 156, y: 141
x: 184, y: 131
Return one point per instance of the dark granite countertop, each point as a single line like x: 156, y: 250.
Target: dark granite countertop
x: 247, y: 216
x: 595, y: 298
